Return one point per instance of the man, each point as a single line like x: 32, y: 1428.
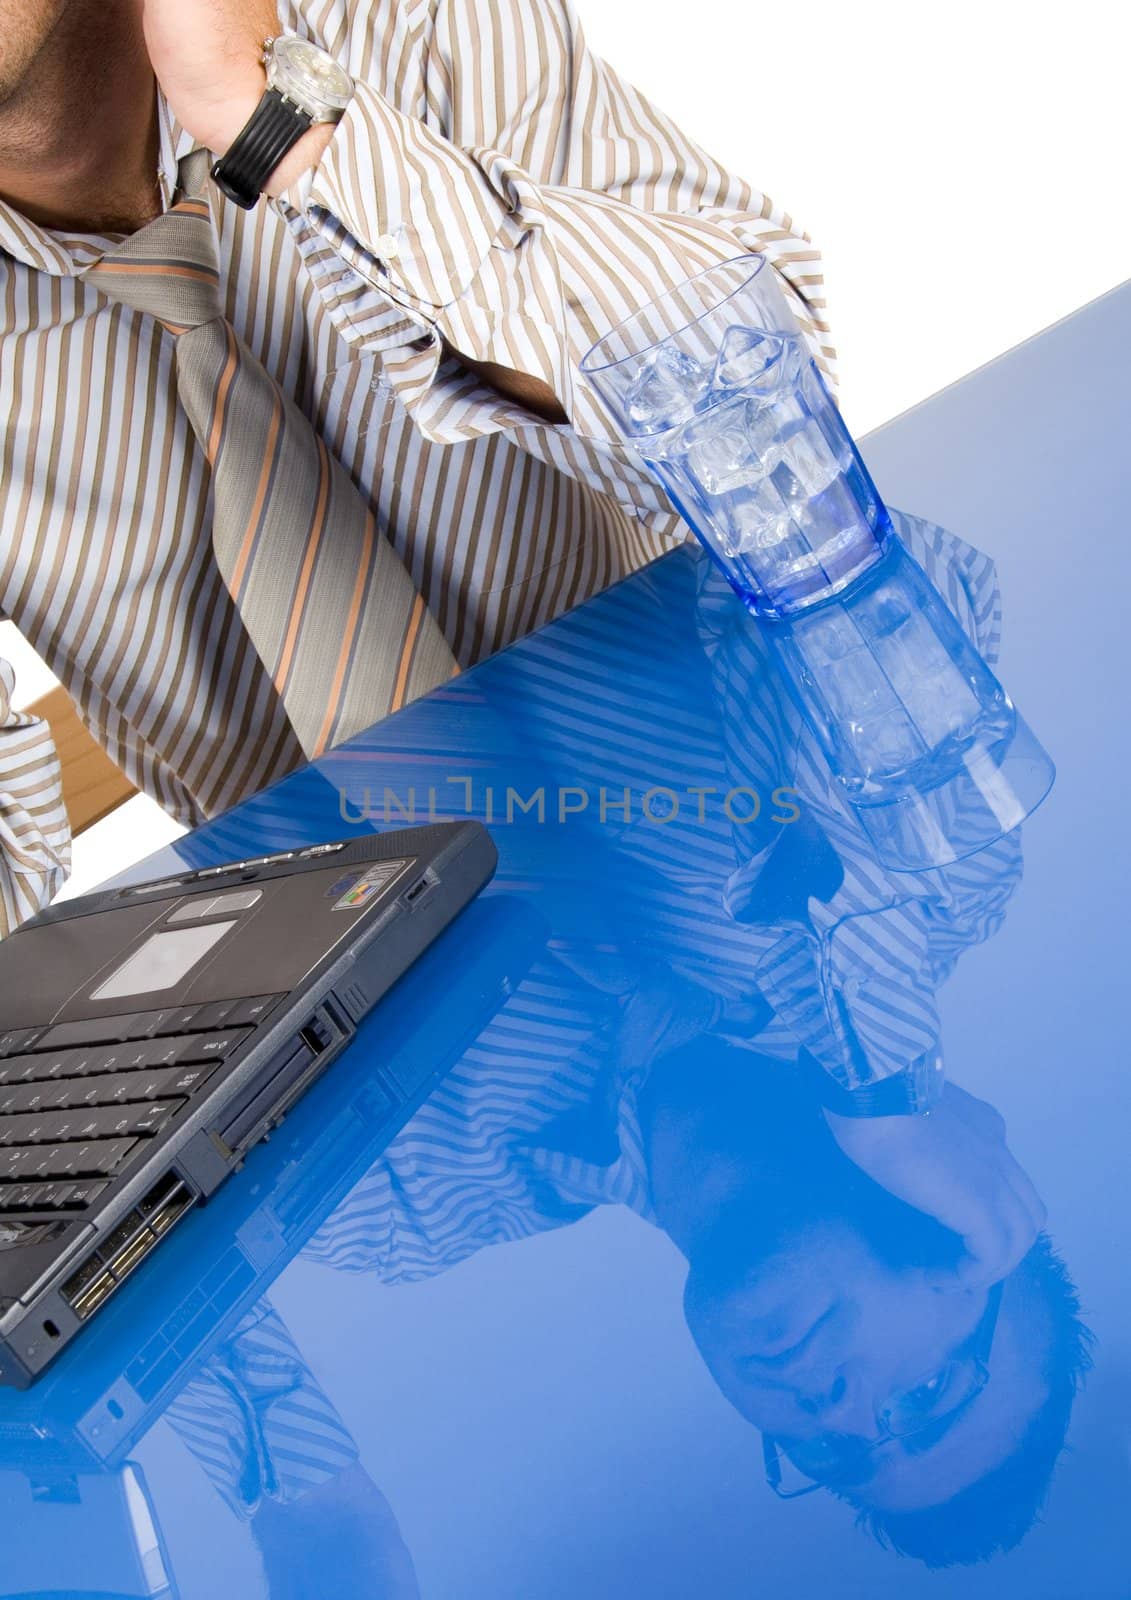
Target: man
x: 406, y: 471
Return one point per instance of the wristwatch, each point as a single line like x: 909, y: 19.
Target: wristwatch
x: 915, y: 1091
x: 305, y: 85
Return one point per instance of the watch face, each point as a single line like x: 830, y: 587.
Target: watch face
x: 304, y: 72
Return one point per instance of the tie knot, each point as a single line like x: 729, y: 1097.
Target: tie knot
x: 168, y: 269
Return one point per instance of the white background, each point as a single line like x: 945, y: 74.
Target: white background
x: 963, y: 169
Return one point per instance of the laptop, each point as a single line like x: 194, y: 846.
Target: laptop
x: 77, y: 1512
x: 151, y: 1036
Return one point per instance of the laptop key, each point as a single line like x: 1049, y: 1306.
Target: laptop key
x: 248, y: 1013
x: 209, y: 1046
x: 214, y: 1016
x: 95, y: 1030
x: 55, y: 1196
x: 173, y: 1019
x: 18, y: 1040
x: 33, y: 1069
x: 85, y: 1122
x: 183, y: 1080
x: 135, y: 1088
x: 35, y: 1196
x: 105, y: 1058
x: 105, y: 1122
x: 94, y: 1159
x: 127, y: 1086
x: 43, y: 1096
x: 89, y: 1159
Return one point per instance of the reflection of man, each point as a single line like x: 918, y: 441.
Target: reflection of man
x: 281, y: 1458
x: 426, y: 274
x: 826, y: 1308
x: 866, y: 1291
x: 821, y: 1306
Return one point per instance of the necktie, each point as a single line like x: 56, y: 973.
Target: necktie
x: 328, y: 604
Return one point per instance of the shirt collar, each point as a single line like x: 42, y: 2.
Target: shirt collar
x: 64, y: 254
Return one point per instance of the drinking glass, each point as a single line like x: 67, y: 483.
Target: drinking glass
x: 713, y: 387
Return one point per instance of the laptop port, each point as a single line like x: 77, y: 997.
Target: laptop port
x: 127, y: 1247
x: 170, y: 1211
x: 93, y: 1296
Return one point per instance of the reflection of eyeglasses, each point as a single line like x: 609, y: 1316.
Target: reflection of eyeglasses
x: 832, y: 1459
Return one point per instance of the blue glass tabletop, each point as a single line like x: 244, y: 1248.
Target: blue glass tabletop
x: 619, y: 1312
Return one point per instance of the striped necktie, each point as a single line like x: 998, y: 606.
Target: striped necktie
x: 326, y: 600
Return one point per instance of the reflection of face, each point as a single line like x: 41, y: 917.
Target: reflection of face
x: 25, y: 26
x: 818, y: 1336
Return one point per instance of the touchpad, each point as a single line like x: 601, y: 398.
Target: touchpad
x: 163, y: 960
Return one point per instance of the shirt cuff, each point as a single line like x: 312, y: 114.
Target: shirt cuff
x: 419, y: 207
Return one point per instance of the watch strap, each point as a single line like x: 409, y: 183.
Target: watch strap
x: 273, y: 129
x: 913, y: 1092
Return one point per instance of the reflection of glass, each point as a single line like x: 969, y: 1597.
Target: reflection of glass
x: 923, y: 741
x: 733, y: 417
x: 714, y: 388
x: 809, y: 1464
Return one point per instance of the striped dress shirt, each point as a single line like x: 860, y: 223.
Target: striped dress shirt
x: 494, y: 189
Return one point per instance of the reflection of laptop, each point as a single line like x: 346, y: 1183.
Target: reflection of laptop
x: 91, y: 1411
x: 149, y: 1036
x: 69, y: 1444
x: 97, y: 1535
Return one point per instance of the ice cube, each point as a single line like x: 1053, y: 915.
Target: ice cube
x: 941, y: 706
x: 752, y: 529
x: 813, y: 465
x: 887, y: 608
x: 907, y: 644
x: 886, y: 743
x: 722, y: 457
x: 828, y: 636
x: 666, y: 391
x: 855, y: 686
x: 750, y: 358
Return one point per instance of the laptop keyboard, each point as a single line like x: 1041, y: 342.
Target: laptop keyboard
x: 76, y: 1099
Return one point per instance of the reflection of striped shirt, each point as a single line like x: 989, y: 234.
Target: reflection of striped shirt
x: 537, y: 1123
x: 660, y: 684
x: 493, y: 182
x: 858, y: 968
x: 470, y: 1170
x: 256, y: 1420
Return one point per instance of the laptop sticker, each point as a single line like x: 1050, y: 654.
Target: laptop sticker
x: 369, y: 885
x: 340, y: 885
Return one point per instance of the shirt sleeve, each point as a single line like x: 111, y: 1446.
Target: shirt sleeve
x: 35, y: 838
x: 257, y: 1421
x: 528, y: 202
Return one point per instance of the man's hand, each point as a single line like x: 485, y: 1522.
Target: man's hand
x: 953, y: 1165
x: 207, y: 55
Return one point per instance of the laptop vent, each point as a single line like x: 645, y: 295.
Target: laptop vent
x: 356, y: 1001
x: 127, y: 1247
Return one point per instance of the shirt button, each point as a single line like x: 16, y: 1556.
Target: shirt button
x: 852, y: 987
x: 385, y: 247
